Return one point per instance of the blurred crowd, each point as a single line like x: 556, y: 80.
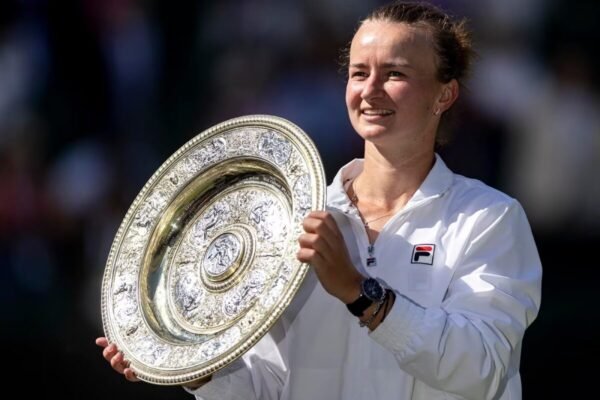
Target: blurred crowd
x: 96, y: 94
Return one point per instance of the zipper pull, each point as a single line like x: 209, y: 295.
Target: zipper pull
x: 371, y: 260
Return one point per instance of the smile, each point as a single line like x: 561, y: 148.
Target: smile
x: 378, y: 112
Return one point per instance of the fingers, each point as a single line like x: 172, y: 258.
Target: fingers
x: 321, y: 222
x: 116, y: 359
x: 118, y: 363
x: 308, y: 255
x: 109, y: 352
x: 314, y: 241
x: 322, y: 238
x: 130, y: 375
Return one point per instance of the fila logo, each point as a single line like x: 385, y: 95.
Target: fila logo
x: 423, y: 254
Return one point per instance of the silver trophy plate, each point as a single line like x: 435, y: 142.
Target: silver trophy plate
x: 204, y: 261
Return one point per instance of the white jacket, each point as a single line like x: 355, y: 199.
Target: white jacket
x: 457, y: 325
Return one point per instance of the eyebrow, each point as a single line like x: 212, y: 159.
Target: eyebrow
x: 385, y: 65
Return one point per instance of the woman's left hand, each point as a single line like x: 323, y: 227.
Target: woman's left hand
x: 323, y: 247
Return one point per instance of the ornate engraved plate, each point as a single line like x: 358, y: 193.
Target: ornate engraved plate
x: 204, y: 261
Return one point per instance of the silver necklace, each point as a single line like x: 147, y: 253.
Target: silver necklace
x: 371, y: 260
x: 354, y: 201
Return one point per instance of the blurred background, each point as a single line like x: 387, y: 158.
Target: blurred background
x: 96, y: 94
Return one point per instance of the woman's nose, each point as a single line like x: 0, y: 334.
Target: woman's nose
x: 373, y: 87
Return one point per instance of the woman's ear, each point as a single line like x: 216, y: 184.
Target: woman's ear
x: 448, y: 96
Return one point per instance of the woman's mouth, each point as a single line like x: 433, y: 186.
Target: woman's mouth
x: 374, y: 113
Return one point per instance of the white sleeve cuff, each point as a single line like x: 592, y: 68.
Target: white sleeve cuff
x: 399, y: 326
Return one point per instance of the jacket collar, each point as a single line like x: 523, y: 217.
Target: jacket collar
x: 437, y: 182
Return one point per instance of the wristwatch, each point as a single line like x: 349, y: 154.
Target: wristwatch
x: 371, y: 292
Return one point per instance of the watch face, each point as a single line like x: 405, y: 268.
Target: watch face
x: 373, y: 289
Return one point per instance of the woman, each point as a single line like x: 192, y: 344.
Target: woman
x: 440, y: 271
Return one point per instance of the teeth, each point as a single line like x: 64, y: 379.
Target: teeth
x: 376, y: 112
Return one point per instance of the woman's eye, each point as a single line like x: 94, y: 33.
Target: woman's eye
x: 358, y: 74
x: 396, y: 74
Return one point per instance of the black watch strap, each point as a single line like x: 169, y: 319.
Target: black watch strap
x: 358, y: 306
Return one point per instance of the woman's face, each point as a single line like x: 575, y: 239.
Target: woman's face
x: 392, y: 91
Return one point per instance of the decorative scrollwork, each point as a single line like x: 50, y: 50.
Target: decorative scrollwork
x: 203, y: 265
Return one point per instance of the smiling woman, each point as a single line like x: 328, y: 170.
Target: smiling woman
x: 393, y: 95
x: 442, y: 270
x: 401, y: 50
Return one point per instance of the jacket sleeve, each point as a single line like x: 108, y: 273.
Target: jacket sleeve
x: 470, y: 345
x: 259, y: 374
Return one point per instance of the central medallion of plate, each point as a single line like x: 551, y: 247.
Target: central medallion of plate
x: 222, y: 256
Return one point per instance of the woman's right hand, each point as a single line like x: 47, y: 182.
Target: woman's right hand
x: 115, y: 357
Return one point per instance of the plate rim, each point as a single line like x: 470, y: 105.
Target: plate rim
x: 316, y: 172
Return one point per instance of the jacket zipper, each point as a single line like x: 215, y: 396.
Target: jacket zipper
x: 371, y: 259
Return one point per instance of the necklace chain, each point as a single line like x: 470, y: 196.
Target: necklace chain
x: 354, y: 201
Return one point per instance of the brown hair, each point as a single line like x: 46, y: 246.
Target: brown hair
x: 451, y: 39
